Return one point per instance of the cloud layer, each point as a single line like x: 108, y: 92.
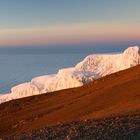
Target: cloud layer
x: 70, y: 33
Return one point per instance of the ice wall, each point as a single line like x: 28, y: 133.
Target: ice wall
x: 92, y: 67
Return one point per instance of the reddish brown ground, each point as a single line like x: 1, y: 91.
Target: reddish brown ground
x: 114, y: 95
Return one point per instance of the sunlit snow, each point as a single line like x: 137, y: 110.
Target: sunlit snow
x: 92, y: 67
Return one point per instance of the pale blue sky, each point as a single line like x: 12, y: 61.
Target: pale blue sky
x: 43, y: 12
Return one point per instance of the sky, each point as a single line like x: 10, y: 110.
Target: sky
x: 68, y: 22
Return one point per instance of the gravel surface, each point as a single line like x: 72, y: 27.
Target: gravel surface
x: 115, y: 128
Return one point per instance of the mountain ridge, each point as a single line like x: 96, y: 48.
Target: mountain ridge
x: 114, y: 95
x: 91, y: 68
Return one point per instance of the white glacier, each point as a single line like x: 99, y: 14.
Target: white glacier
x: 40, y: 81
x: 101, y: 65
x: 92, y: 67
x: 25, y: 89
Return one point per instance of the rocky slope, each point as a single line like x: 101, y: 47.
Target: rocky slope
x: 116, y: 96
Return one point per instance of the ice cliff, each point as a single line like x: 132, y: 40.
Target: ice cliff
x: 92, y: 67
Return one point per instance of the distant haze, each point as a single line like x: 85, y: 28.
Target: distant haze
x: 84, y: 48
x: 68, y: 22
